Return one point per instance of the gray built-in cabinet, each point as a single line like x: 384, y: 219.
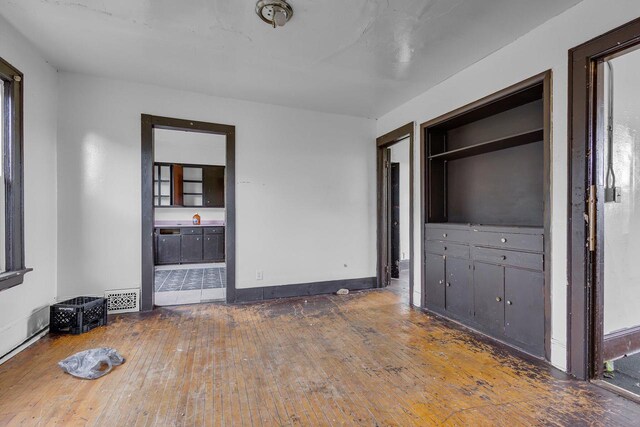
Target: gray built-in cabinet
x: 185, y: 245
x: 486, y: 215
x: 490, y: 278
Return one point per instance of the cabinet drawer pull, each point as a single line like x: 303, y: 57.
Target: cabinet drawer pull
x: 498, y: 299
x: 503, y: 240
x: 509, y: 303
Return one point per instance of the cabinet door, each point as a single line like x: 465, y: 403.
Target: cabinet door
x: 488, y: 287
x: 213, y: 183
x: 434, y: 265
x: 191, y: 248
x: 168, y: 249
x: 459, y: 291
x: 524, y: 309
x: 213, y: 247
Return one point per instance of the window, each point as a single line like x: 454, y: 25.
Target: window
x: 12, y: 266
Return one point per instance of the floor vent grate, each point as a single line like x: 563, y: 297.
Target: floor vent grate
x: 123, y: 300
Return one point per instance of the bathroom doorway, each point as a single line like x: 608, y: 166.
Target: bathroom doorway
x: 188, y: 212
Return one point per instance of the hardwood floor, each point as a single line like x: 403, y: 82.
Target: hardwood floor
x: 361, y: 359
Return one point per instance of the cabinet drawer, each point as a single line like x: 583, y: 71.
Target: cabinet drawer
x: 511, y: 258
x: 191, y: 230
x: 525, y: 242
x: 447, y: 234
x: 214, y: 230
x: 446, y: 248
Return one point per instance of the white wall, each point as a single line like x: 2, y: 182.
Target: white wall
x: 172, y: 146
x: 544, y: 48
x: 24, y: 309
x: 400, y: 154
x: 622, y: 220
x: 305, y: 186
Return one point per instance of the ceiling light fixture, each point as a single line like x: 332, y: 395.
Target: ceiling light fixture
x: 274, y: 12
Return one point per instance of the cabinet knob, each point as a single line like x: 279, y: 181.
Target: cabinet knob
x: 440, y: 282
x: 498, y: 299
x: 444, y: 235
x: 448, y: 285
x: 509, y: 303
x: 197, y: 238
x: 503, y: 240
x: 504, y: 257
x: 444, y: 257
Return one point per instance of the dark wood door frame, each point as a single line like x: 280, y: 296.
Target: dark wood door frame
x: 383, y: 143
x: 547, y: 81
x: 149, y: 123
x: 585, y: 294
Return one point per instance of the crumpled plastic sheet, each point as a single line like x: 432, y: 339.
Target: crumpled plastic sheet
x: 92, y: 364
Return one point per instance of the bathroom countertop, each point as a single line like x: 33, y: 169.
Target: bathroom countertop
x: 203, y: 223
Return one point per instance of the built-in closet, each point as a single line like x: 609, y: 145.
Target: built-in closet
x: 486, y: 201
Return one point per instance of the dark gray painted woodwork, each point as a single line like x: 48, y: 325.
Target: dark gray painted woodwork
x: 213, y: 247
x: 504, y: 257
x: 213, y: 186
x: 503, y: 187
x: 168, y: 249
x: 524, y: 308
x: 13, y: 176
x: 434, y: 265
x: 459, y: 287
x: 488, y: 285
x: 191, y: 248
x: 190, y: 245
x: 303, y: 289
x: 148, y: 123
x: 394, y: 205
x: 475, y: 277
x: 489, y: 163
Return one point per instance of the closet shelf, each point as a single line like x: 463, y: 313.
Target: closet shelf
x: 494, y: 145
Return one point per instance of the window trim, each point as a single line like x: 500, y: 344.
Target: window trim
x: 13, y: 176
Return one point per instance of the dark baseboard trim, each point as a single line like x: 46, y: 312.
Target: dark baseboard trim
x: 303, y: 289
x: 618, y: 344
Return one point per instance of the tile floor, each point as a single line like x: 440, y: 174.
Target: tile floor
x: 191, y: 279
x: 179, y: 285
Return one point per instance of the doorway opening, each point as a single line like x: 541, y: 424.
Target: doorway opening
x: 395, y: 210
x: 604, y: 332
x: 188, y: 212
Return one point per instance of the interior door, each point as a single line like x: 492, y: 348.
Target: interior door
x: 394, y: 222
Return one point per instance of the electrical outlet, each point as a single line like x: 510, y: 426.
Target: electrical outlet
x: 259, y: 275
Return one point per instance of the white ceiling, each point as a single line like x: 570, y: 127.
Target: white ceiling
x: 356, y: 57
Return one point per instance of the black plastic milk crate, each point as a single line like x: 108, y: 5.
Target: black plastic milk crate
x: 78, y: 315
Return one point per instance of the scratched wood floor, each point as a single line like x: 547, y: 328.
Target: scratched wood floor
x: 362, y: 359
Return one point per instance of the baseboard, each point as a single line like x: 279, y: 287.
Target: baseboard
x: 302, y: 289
x: 621, y: 343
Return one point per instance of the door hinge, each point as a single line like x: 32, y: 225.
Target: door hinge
x: 591, y: 218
